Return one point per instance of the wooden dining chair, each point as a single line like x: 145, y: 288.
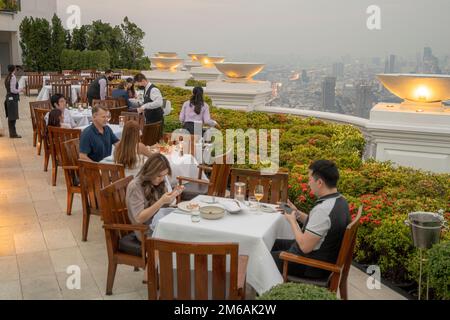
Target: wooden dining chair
x: 34, y: 82
x: 57, y: 136
x: 37, y: 105
x: 217, y: 184
x: 55, y: 78
x: 134, y: 116
x: 95, y: 74
x: 275, y: 186
x: 70, y: 152
x: 107, y: 103
x: 68, y: 71
x: 94, y: 177
x: 195, y: 282
x: 121, y: 242
x: 43, y: 142
x: 116, y: 113
x: 151, y: 134
x: 339, y: 270
x: 110, y: 88
x: 65, y: 89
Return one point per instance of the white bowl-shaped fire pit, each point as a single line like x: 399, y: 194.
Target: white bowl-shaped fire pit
x: 209, y: 61
x: 164, y: 54
x: 418, y: 88
x: 240, y: 70
x: 197, y: 56
x: 166, y: 64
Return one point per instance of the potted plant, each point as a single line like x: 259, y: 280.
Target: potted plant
x: 297, y: 291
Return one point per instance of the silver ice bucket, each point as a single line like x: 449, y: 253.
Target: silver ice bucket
x: 425, y: 228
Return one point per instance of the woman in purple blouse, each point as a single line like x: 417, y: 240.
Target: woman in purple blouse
x: 195, y: 112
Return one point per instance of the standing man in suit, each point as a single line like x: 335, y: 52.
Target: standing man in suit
x: 153, y: 100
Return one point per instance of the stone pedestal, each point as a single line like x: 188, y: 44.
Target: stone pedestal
x: 205, y: 74
x: 410, y: 138
x: 171, y: 78
x: 189, y: 64
x: 239, y: 95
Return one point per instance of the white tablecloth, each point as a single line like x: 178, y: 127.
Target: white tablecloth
x: 81, y: 118
x: 255, y: 232
x: 117, y: 130
x: 185, y: 166
x: 46, y: 91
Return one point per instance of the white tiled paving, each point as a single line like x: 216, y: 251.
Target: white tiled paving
x: 38, y: 241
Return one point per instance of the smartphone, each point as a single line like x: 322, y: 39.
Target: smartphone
x: 284, y: 206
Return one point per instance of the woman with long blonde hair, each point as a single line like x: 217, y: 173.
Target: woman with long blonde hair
x: 149, y: 193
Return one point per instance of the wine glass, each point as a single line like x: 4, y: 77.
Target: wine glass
x: 259, y: 194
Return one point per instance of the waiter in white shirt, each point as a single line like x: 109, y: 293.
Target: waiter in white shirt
x: 153, y: 100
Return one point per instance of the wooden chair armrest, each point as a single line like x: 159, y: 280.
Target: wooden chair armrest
x: 204, y: 167
x: 289, y: 257
x: 242, y: 272
x: 126, y: 227
x: 70, y: 167
x: 193, y: 180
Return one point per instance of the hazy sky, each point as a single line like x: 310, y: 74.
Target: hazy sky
x: 308, y: 28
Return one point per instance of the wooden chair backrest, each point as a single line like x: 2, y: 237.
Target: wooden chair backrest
x: 162, y: 278
x: 83, y: 92
x: 64, y: 72
x: 96, y: 176
x: 41, y: 125
x: 345, y: 255
x: 56, y: 77
x: 38, y: 105
x: 115, y: 114
x: 108, y: 103
x: 220, y: 173
x: 114, y: 207
x: 275, y: 186
x: 111, y: 87
x: 70, y: 152
x: 57, y: 136
x: 35, y: 81
x: 134, y: 116
x: 63, y: 88
x: 95, y: 74
x: 151, y: 133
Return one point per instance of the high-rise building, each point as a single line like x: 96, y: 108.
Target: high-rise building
x: 329, y: 93
x: 305, y: 77
x: 392, y: 63
x: 427, y: 53
x: 363, y: 99
x: 338, y: 70
x: 430, y: 62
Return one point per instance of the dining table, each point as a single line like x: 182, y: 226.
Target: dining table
x: 46, y: 92
x: 253, y: 229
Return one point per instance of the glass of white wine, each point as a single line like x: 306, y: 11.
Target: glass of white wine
x: 259, y: 194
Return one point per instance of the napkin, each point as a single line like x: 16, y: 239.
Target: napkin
x: 230, y: 206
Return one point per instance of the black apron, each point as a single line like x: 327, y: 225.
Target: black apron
x: 12, y: 103
x: 152, y: 115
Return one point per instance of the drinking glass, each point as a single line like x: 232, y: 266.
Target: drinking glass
x: 108, y: 116
x: 259, y: 194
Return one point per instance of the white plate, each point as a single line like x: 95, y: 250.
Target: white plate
x: 184, y: 206
x: 267, y: 208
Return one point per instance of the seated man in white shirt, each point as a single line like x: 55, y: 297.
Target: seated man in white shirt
x: 58, y: 101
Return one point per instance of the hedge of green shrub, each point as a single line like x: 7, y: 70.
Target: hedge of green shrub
x: 195, y: 83
x: 386, y: 192
x: 297, y: 291
x: 87, y: 59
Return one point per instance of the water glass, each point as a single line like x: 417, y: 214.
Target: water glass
x: 195, y: 216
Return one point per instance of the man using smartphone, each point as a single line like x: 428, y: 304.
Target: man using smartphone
x: 322, y: 231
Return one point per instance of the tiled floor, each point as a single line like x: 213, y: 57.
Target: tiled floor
x: 38, y: 241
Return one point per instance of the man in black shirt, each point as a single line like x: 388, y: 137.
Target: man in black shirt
x: 322, y: 231
x: 98, y: 88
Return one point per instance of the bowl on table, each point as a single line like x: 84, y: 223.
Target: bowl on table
x: 212, y: 212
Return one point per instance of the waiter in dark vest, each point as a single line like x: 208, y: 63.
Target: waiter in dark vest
x: 153, y: 100
x: 12, y: 101
x: 98, y: 88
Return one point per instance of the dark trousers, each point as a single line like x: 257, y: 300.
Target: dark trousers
x: 12, y: 128
x: 294, y: 269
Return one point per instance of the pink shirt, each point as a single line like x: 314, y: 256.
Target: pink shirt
x: 188, y: 114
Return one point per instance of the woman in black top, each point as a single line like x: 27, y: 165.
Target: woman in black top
x: 12, y: 101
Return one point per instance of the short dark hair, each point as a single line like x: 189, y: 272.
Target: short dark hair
x: 108, y: 71
x: 325, y: 170
x: 97, y: 108
x: 11, y: 68
x: 139, y: 77
x: 54, y: 99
